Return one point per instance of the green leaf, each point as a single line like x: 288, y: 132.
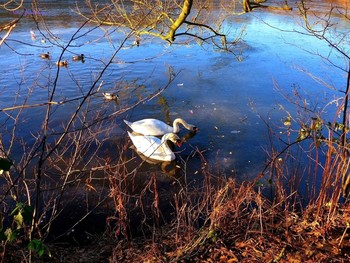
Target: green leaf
x: 25, y: 210
x: 303, y: 134
x: 17, y: 209
x: 5, y: 164
x: 317, y: 124
x: 10, y: 235
x: 213, y: 235
x: 287, y: 121
x: 41, y: 251
x: 27, y: 213
x: 257, y: 183
x: 338, y: 126
x: 39, y: 247
x: 18, y: 220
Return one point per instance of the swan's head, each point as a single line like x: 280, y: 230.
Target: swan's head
x: 173, y: 138
x: 178, y: 143
x: 193, y: 128
x: 188, y: 126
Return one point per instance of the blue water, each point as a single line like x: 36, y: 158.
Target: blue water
x: 224, y: 96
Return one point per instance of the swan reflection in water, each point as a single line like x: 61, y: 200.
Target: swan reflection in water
x: 169, y: 168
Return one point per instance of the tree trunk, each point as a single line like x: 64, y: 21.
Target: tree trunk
x: 246, y: 6
x: 185, y: 11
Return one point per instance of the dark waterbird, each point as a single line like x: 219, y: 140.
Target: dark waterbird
x: 79, y: 58
x: 45, y: 55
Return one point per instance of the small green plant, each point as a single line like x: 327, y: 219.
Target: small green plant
x: 38, y: 247
x: 312, y: 130
x: 213, y: 235
x: 22, y: 216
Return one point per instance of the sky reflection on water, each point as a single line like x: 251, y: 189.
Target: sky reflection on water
x: 213, y: 90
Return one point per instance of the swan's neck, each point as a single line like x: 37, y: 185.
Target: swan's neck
x: 182, y: 122
x: 165, y: 146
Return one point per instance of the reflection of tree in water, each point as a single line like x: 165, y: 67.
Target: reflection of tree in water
x: 188, y: 136
x: 163, y: 103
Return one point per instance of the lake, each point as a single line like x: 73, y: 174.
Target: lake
x: 233, y: 98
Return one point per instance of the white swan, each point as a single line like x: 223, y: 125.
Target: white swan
x: 154, y: 148
x: 156, y: 127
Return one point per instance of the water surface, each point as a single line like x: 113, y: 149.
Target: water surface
x: 224, y: 96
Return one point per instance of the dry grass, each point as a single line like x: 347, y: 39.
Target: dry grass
x: 226, y: 221
x: 244, y: 227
